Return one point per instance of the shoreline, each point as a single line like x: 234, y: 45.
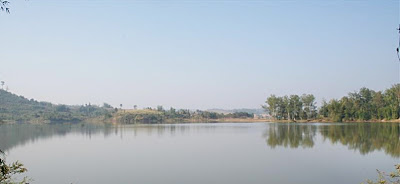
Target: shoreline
x: 188, y: 121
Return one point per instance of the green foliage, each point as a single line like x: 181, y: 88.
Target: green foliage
x: 292, y: 107
x: 62, y: 108
x: 363, y: 105
x: 19, y: 109
x: 141, y: 118
x: 159, y: 115
x: 383, y: 178
x: 239, y: 115
x: 8, y: 171
x: 145, y: 116
x: 106, y: 105
x: 309, y: 107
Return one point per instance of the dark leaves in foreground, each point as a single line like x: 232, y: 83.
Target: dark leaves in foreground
x: 4, y: 6
x: 8, y: 171
x: 384, y: 178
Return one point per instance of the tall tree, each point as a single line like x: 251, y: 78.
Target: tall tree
x: 309, y: 105
x: 295, y: 106
x: 272, y: 106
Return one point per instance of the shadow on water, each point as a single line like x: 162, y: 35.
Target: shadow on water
x: 364, y: 137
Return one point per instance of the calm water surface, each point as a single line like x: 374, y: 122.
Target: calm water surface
x: 223, y: 153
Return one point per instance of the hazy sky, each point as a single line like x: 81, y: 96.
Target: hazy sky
x: 196, y: 54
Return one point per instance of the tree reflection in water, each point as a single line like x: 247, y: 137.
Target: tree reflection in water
x: 13, y: 135
x: 290, y: 135
x: 364, y: 137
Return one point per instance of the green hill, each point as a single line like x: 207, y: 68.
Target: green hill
x: 14, y: 108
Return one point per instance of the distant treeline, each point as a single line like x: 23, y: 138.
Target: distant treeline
x: 188, y: 114
x: 363, y: 105
x: 160, y: 115
x: 19, y: 109
x: 16, y: 108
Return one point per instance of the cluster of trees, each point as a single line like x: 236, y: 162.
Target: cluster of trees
x: 140, y: 116
x: 20, y: 109
x: 160, y: 115
x: 364, y: 105
x: 199, y: 114
x: 292, y: 107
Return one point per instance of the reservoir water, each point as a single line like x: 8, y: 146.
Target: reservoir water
x: 203, y: 153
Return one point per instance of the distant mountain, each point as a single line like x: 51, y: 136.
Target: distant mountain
x: 250, y: 111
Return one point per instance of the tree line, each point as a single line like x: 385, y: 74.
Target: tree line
x: 362, y: 105
x: 16, y: 108
x: 161, y: 115
x: 292, y: 107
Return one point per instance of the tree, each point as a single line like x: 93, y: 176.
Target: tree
x: 309, y: 106
x: 7, y: 171
x: 62, y: 108
x: 272, y: 106
x: 286, y: 108
x: 323, y: 111
x: 277, y: 107
x: 4, y: 6
x: 348, y: 108
x: 335, y: 112
x: 383, y: 178
x: 106, y: 105
x: 378, y: 104
x: 160, y: 108
x: 391, y: 98
x: 2, y: 84
x: 295, y: 107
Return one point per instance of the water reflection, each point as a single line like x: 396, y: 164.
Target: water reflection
x: 290, y: 135
x: 12, y: 135
x: 364, y: 137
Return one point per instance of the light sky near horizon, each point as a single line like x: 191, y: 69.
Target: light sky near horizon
x: 196, y: 54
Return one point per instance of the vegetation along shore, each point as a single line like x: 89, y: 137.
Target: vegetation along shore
x: 364, y: 105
